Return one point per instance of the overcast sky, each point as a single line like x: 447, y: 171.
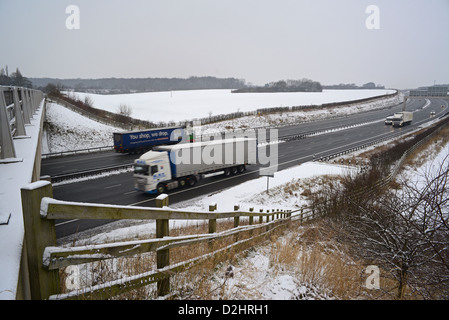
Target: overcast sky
x: 256, y: 40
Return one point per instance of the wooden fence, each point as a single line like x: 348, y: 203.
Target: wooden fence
x: 45, y: 259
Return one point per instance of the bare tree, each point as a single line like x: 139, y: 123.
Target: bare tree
x: 124, y: 110
x: 88, y: 101
x: 404, y: 231
x: 382, y: 233
x: 429, y: 205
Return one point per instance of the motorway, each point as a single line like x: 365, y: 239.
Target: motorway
x: 119, y: 189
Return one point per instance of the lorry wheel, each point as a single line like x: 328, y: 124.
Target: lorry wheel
x: 227, y: 172
x: 241, y: 169
x: 234, y: 170
x: 160, y: 188
x: 191, y: 181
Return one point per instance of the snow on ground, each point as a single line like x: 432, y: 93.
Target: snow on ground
x: 426, y: 165
x: 68, y: 130
x: 187, y: 105
x: 253, y: 193
x: 257, y: 276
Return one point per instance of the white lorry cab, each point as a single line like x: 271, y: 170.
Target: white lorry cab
x: 150, y: 169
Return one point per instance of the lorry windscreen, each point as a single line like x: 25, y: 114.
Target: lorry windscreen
x: 141, y: 169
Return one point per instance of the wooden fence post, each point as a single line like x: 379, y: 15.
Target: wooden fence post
x: 236, y: 223
x: 236, y: 219
x: 212, y: 225
x: 251, y: 221
x: 212, y: 222
x: 162, y: 256
x: 39, y: 233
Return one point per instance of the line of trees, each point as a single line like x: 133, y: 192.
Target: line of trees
x: 351, y: 86
x: 122, y: 85
x: 303, y: 85
x: 14, y: 79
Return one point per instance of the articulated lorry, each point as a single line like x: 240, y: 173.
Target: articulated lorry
x: 142, y: 141
x: 389, y: 119
x: 402, y: 118
x: 176, y: 166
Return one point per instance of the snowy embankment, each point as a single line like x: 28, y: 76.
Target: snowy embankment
x: 67, y: 130
x: 426, y: 164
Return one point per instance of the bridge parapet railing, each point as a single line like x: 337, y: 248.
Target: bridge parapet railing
x: 17, y: 106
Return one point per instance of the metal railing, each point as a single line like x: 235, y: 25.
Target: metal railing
x: 17, y: 106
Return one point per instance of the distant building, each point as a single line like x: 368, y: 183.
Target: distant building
x: 439, y: 91
x: 434, y: 91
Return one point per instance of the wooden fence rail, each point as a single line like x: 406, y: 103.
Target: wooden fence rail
x: 45, y: 259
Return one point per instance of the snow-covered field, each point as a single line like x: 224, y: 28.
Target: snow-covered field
x: 188, y: 105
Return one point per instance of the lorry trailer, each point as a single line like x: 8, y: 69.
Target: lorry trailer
x: 176, y: 166
x: 402, y: 118
x: 145, y: 140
